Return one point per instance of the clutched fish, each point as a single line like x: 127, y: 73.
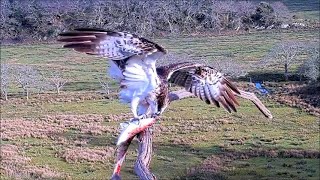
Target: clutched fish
x: 134, y: 127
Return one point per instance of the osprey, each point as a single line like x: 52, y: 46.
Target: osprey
x: 133, y: 64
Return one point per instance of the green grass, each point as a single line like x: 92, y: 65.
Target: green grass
x: 193, y: 131
x: 312, y: 16
x: 82, y: 70
x: 290, y: 129
x: 280, y: 168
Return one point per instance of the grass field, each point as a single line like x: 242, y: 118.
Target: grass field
x: 73, y: 135
x: 83, y: 70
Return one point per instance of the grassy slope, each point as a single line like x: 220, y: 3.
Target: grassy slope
x: 83, y: 69
x: 213, y: 129
x: 198, y: 131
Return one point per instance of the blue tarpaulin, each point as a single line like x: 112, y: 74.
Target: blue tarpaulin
x: 261, y: 88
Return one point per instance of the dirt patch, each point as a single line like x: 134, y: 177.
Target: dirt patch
x: 272, y: 153
x: 80, y: 154
x: 212, y: 163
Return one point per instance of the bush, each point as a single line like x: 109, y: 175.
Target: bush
x: 311, y: 67
x: 44, y: 19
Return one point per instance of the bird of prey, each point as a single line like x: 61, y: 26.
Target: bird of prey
x: 146, y: 87
x: 143, y: 85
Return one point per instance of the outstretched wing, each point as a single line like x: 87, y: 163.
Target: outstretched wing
x: 110, y: 44
x: 204, y: 82
x: 133, y: 57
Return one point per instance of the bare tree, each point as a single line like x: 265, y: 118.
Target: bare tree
x: 285, y: 54
x: 5, y: 80
x: 311, y: 67
x: 230, y: 67
x: 27, y: 77
x: 57, y: 81
x: 105, y: 83
x: 281, y: 12
x: 244, y: 10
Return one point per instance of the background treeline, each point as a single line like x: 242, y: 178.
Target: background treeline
x: 34, y: 20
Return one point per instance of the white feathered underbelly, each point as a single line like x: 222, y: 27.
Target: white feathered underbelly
x: 136, y: 80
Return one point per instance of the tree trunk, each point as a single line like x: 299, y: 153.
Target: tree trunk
x: 286, y: 76
x: 6, y: 96
x: 27, y: 93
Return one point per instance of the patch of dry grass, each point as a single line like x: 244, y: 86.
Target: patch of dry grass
x: 81, y: 154
x: 16, y: 165
x: 24, y: 128
x: 50, y: 125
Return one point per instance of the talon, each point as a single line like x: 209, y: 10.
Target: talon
x: 123, y: 126
x: 135, y: 121
x: 155, y: 115
x: 143, y: 116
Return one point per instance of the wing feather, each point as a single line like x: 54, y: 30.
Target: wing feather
x: 188, y: 83
x: 197, y: 92
x: 222, y: 100
x: 110, y: 44
x: 202, y: 95
x: 213, y: 95
x: 204, y: 82
x: 193, y: 88
x: 132, y: 57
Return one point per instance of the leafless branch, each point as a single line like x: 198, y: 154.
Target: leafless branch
x: 57, y: 81
x: 285, y: 54
x: 105, y: 83
x: 5, y: 80
x: 27, y: 78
